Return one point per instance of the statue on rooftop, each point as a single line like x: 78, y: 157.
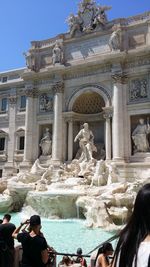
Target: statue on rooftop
x: 74, y: 23
x: 115, y: 40
x: 57, y: 56
x: 88, y: 18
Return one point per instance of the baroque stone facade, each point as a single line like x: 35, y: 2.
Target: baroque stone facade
x: 98, y: 73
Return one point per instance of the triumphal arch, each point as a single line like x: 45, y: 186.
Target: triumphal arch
x: 96, y: 73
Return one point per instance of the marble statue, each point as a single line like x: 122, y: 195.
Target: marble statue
x: 140, y: 136
x: 100, y: 175
x: 74, y: 23
x: 114, y: 41
x: 100, y: 18
x: 57, y: 53
x: 88, y: 18
x: 86, y: 142
x: 30, y: 60
x: 46, y: 143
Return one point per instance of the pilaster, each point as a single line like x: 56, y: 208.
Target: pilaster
x: 30, y: 128
x: 9, y: 168
x: 70, y: 140
x: 108, y: 143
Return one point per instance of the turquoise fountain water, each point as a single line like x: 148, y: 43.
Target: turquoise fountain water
x: 67, y: 235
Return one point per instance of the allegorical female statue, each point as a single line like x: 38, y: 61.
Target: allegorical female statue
x: 46, y: 143
x: 140, y: 136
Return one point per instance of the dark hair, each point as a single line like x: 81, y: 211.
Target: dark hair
x: 135, y: 231
x: 79, y: 251
x: 7, y: 217
x: 1, y: 221
x: 102, y: 250
x: 35, y: 220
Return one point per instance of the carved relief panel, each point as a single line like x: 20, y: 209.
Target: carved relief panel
x: 45, y: 103
x: 139, y: 89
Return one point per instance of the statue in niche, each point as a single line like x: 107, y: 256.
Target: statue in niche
x: 114, y: 41
x: 74, y: 23
x: 140, y: 136
x: 46, y: 143
x: 57, y: 53
x: 46, y: 103
x: 86, y: 143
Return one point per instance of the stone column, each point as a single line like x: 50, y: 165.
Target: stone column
x: 148, y: 33
x: 10, y: 169
x: 30, y: 125
x: 108, y: 144
x: 70, y: 140
x: 57, y: 125
x: 118, y: 117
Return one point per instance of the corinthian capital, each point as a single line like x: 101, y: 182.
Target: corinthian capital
x: 31, y: 92
x: 58, y: 87
x: 120, y: 78
x: 12, y: 99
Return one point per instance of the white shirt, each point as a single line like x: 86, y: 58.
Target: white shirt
x: 143, y: 254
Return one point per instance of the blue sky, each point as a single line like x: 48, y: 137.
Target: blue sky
x: 23, y: 21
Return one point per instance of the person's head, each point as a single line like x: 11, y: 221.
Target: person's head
x: 7, y: 217
x: 35, y: 223
x: 66, y: 260
x: 79, y: 251
x: 136, y: 229
x: 105, y: 249
x: 141, y: 211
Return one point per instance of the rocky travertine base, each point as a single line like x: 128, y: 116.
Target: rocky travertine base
x: 91, y: 190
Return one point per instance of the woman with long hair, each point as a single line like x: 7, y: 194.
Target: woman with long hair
x: 102, y: 259
x: 133, y: 248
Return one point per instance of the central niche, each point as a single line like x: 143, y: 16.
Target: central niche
x: 88, y: 103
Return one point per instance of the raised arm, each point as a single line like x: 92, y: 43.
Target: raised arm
x: 17, y: 230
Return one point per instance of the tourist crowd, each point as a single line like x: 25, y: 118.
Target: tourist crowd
x: 132, y: 250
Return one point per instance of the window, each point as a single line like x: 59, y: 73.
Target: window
x: 23, y: 102
x: 1, y: 173
x: 4, y: 79
x: 21, y: 143
x: 2, y: 143
x: 4, y: 104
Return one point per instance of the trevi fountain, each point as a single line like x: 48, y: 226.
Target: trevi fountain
x: 74, y: 130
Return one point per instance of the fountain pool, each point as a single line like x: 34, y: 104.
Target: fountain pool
x: 67, y: 235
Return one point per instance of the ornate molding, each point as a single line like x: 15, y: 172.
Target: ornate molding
x: 12, y: 99
x: 31, y: 92
x: 108, y: 113
x: 120, y: 78
x: 58, y: 87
